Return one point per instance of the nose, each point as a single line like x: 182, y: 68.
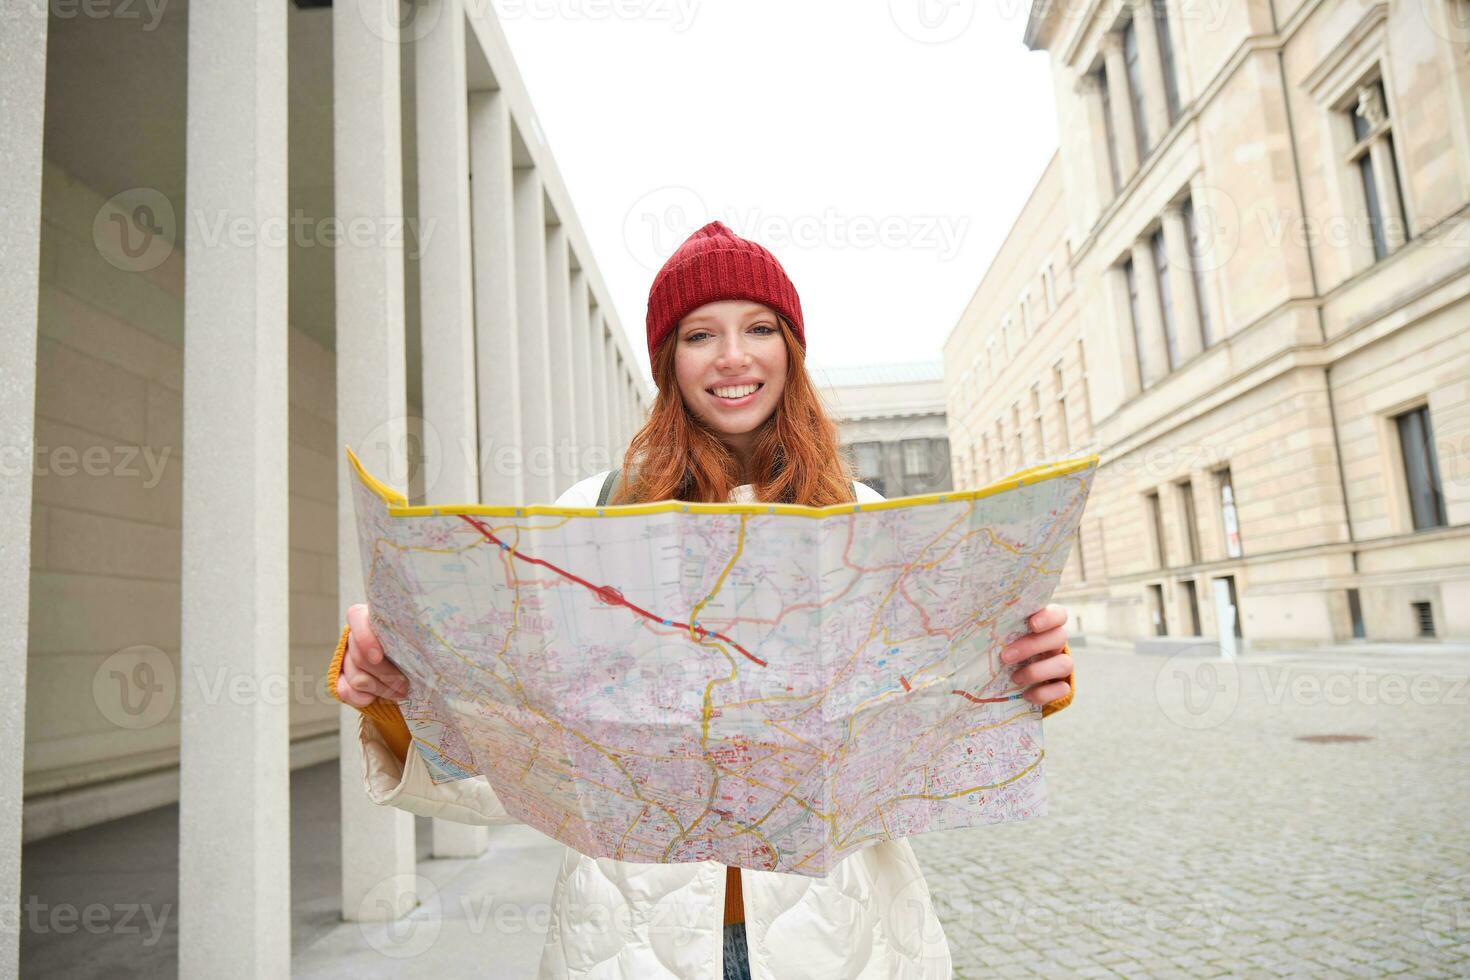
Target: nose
x: 732, y: 350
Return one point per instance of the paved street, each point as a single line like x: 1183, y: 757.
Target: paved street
x: 1192, y: 832
x: 1187, y: 837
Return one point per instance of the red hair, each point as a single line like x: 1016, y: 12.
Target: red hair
x: 796, y: 459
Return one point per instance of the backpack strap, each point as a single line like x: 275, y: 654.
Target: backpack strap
x: 608, y: 485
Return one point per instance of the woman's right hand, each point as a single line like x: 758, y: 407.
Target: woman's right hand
x: 366, y: 672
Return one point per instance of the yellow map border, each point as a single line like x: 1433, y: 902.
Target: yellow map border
x: 398, y: 505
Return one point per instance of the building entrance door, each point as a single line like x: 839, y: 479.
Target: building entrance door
x: 1227, y: 614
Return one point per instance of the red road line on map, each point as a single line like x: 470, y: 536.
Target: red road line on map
x: 970, y: 697
x: 608, y: 594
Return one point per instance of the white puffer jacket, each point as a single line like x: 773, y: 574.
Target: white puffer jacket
x: 870, y: 917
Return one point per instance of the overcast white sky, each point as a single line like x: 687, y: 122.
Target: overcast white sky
x: 880, y: 148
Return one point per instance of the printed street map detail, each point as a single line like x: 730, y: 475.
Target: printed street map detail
x: 768, y: 687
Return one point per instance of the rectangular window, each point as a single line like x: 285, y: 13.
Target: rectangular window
x: 916, y: 457
x: 1375, y: 209
x: 867, y: 458
x: 1355, y: 611
x: 1156, y: 529
x: 1424, y: 619
x: 1040, y: 433
x: 1191, y: 596
x: 1115, y: 168
x: 1020, y: 440
x: 1082, y: 377
x: 1421, y: 469
x: 1232, y: 605
x: 1372, y: 156
x: 990, y: 475
x: 1166, y: 296
x: 1156, y: 610
x: 1132, y: 278
x: 1081, y: 555
x: 1000, y: 446
x: 1228, y: 517
x: 1025, y: 314
x: 1166, y: 56
x: 1049, y: 288
x: 1191, y: 526
x: 1196, y: 265
x: 1059, y: 381
x: 1135, y: 87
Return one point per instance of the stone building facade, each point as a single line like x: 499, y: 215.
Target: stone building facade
x: 1243, y: 281
x: 891, y: 419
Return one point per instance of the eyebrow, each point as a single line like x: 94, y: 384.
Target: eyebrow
x: 753, y: 315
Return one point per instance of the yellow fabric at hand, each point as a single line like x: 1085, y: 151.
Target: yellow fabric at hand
x: 1052, y: 707
x: 385, y: 714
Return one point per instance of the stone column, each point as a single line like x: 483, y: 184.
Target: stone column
x: 601, y: 432
x: 635, y: 415
x: 1181, y: 282
x: 446, y: 297
x: 1151, y: 67
x: 559, y: 339
x: 377, y: 842
x: 625, y: 414
x: 22, y: 119
x: 1121, y: 104
x: 582, y: 373
x: 533, y: 344
x: 1153, y: 348
x: 1125, y: 340
x: 1103, y: 186
x: 497, y: 343
x: 234, y: 780
x: 615, y: 439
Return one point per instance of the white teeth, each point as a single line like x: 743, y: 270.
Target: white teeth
x: 739, y: 391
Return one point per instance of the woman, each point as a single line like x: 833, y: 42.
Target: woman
x: 736, y: 418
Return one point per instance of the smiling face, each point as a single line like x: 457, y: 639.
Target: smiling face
x: 730, y: 361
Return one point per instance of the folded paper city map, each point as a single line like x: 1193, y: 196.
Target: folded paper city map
x: 766, y: 686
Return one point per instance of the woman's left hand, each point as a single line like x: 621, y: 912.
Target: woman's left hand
x: 1045, y: 673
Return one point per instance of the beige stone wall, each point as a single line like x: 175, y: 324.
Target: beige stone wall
x: 106, y: 534
x: 1319, y: 343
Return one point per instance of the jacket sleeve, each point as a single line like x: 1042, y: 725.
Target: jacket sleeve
x: 396, y: 775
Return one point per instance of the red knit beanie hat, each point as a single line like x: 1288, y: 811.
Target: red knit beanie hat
x: 714, y: 264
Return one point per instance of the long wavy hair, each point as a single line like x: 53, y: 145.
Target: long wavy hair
x: 796, y: 457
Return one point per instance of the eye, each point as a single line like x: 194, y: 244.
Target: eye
x: 695, y: 335
x: 764, y: 326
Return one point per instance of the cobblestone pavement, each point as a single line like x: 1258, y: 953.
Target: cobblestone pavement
x: 1191, y: 831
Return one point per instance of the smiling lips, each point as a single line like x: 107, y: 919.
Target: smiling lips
x: 735, y: 395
